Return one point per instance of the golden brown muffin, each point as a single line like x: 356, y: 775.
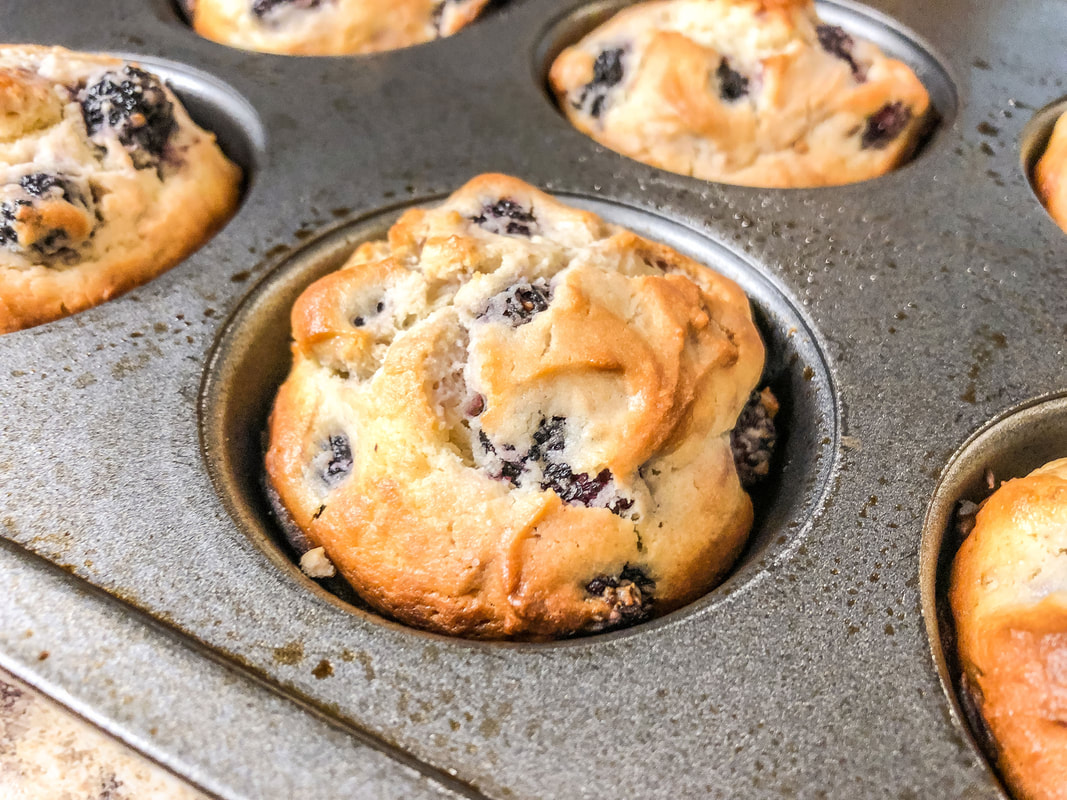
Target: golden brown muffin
x: 1050, y: 175
x: 329, y: 27
x: 1009, y: 600
x: 105, y: 182
x: 750, y: 92
x: 514, y: 419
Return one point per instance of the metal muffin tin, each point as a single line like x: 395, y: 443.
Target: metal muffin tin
x: 145, y: 586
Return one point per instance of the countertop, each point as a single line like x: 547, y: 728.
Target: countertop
x: 47, y: 753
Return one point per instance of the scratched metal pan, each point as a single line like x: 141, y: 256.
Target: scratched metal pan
x: 145, y: 584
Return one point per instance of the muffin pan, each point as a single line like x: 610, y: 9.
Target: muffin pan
x: 903, y: 314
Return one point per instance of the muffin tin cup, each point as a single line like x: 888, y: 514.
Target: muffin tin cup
x: 919, y: 306
x: 251, y: 359
x: 1012, y: 445
x: 859, y: 20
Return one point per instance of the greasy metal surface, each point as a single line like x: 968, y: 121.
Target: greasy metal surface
x: 1011, y: 446
x: 932, y: 292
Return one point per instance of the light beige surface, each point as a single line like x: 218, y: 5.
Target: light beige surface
x: 46, y: 753
x: 811, y: 93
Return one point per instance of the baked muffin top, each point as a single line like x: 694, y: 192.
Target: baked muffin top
x: 514, y: 419
x: 750, y: 92
x: 105, y: 181
x: 329, y: 27
x: 1009, y: 600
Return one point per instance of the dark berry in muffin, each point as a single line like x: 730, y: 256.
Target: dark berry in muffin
x: 45, y: 215
x: 507, y: 217
x: 754, y: 437
x: 835, y: 41
x: 630, y: 595
x: 340, y: 461
x: 732, y: 84
x: 519, y: 303
x: 544, y: 458
x: 578, y: 488
x: 607, y: 72
x: 134, y: 105
x: 262, y: 8
x: 885, y: 125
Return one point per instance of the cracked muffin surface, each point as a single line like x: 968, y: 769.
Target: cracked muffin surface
x: 1050, y: 175
x: 1008, y: 594
x: 513, y: 419
x: 749, y: 92
x: 329, y: 27
x: 105, y: 182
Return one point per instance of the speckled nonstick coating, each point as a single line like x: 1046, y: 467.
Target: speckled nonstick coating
x: 904, y: 313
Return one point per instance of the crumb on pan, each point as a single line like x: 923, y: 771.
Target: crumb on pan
x: 315, y: 564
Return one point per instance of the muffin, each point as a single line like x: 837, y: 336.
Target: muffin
x: 513, y: 419
x: 105, y: 182
x: 329, y: 27
x: 1050, y: 176
x: 1009, y: 599
x: 749, y: 92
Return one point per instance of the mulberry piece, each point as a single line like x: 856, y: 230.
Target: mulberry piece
x: 507, y: 217
x: 607, y: 72
x: 732, y: 84
x: 133, y: 104
x: 885, y: 125
x: 519, y: 303
x: 44, y: 216
x: 834, y: 40
x: 630, y: 594
x: 339, y: 464
x: 754, y: 437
